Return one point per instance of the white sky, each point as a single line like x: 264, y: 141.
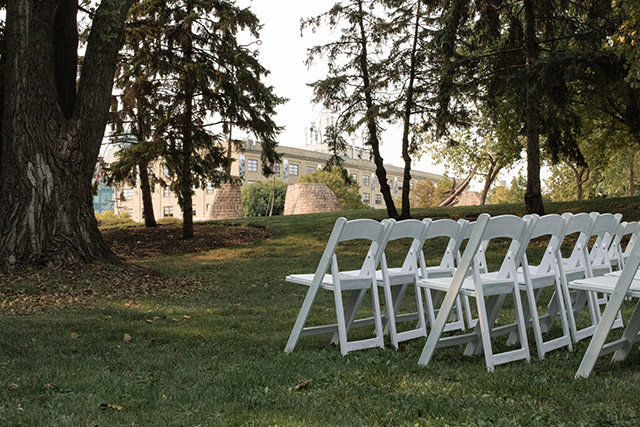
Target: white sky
x: 283, y: 52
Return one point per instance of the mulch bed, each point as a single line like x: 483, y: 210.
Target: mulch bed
x: 32, y: 290
x: 140, y: 242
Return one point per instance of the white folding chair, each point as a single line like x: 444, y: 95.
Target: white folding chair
x: 396, y: 280
x: 453, y: 230
x: 623, y: 286
x: 617, y: 254
x: 533, y: 279
x: 575, y: 267
x: 493, y: 285
x: 358, y: 282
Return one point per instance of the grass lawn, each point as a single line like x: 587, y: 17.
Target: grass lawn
x: 215, y: 356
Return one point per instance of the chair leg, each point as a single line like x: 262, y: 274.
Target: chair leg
x: 520, y: 319
x: 630, y: 335
x: 353, y: 305
x: 391, y: 315
x: 377, y: 316
x: 341, y: 321
x: 301, y: 319
x: 485, y: 334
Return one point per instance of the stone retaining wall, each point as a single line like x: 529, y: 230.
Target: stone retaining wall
x: 310, y: 198
x: 226, y: 203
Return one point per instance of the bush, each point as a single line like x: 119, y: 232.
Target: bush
x: 109, y: 219
x: 256, y: 198
x: 347, y: 191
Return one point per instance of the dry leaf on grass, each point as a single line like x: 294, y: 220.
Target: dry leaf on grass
x: 126, y: 338
x: 304, y: 385
x: 110, y: 406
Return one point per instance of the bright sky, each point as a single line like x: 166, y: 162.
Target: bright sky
x: 283, y: 52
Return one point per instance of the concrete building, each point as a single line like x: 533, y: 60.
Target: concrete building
x: 295, y: 163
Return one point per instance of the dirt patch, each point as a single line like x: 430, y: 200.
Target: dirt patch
x: 32, y: 290
x: 140, y: 242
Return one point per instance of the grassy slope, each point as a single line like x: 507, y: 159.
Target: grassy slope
x: 216, y: 357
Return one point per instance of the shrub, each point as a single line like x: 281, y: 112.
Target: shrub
x: 256, y: 198
x: 345, y: 188
x: 109, y: 219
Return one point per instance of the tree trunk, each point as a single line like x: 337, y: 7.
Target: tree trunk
x: 408, y: 108
x: 631, y: 179
x: 51, y: 136
x: 187, y: 138
x: 147, y: 201
x: 372, y: 126
x: 491, y: 176
x: 533, y: 194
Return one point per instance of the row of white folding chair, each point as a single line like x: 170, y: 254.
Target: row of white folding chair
x: 393, y: 280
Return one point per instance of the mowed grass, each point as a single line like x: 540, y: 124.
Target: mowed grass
x: 215, y: 357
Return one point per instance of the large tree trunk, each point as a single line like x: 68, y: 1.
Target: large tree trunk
x: 533, y: 194
x: 187, y: 137
x: 147, y: 200
x: 51, y: 134
x: 408, y: 108
x: 372, y: 126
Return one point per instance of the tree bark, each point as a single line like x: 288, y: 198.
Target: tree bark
x: 408, y: 108
x: 51, y: 137
x: 372, y: 126
x: 491, y: 176
x: 147, y: 200
x: 187, y: 137
x: 533, y: 194
x: 631, y: 175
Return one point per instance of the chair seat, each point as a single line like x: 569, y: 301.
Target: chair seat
x: 349, y: 280
x: 604, y: 284
x: 537, y: 280
x: 490, y: 285
x: 437, y: 271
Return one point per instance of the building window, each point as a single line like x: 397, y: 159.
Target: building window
x: 206, y: 209
x: 310, y: 169
x: 127, y: 194
x: 165, y: 171
x: 355, y: 177
x: 294, y: 169
x: 252, y: 165
x: 251, y: 182
x: 210, y: 188
x: 399, y: 185
x: 167, y: 192
x: 193, y: 211
x: 365, y: 180
x: 276, y: 167
x: 167, y: 211
x: 378, y: 199
x: 128, y: 212
x: 366, y: 198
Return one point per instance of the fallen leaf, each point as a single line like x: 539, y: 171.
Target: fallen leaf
x: 13, y: 386
x: 186, y: 317
x: 148, y: 320
x: 110, y: 406
x: 74, y: 336
x: 126, y: 338
x: 20, y: 408
x: 304, y: 385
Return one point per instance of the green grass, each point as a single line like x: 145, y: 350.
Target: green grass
x: 216, y: 357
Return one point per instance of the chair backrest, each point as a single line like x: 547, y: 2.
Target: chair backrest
x: 553, y: 226
x: 511, y: 227
x: 447, y: 228
x: 409, y: 229
x: 615, y: 249
x: 604, y: 228
x: 632, y: 228
x: 581, y: 223
x: 377, y: 233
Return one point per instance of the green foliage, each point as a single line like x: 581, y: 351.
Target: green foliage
x: 423, y: 194
x: 513, y: 194
x: 344, y: 187
x: 257, y: 198
x: 442, y: 190
x: 109, y: 219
